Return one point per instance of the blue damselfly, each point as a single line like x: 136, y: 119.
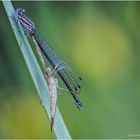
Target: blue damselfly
x: 70, y: 79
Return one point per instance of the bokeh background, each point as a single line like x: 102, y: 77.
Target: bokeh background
x: 101, y: 41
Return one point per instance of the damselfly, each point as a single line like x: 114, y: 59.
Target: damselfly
x: 52, y: 84
x: 70, y: 79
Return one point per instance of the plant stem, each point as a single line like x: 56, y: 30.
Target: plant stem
x: 60, y: 128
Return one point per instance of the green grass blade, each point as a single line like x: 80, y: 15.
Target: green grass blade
x: 60, y: 128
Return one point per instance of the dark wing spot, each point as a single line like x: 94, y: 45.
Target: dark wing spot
x: 79, y: 86
x: 75, y: 88
x: 80, y: 78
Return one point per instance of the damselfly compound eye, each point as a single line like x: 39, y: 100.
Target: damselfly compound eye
x: 20, y: 12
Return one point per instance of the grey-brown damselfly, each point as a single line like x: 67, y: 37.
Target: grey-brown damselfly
x: 52, y: 84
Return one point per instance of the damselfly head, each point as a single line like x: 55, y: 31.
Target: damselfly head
x: 20, y: 12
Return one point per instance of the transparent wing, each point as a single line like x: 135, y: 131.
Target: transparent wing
x: 72, y: 81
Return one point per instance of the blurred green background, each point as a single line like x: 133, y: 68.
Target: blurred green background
x: 101, y: 41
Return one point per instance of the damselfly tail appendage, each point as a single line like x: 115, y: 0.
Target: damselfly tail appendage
x: 52, y: 123
x: 77, y: 102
